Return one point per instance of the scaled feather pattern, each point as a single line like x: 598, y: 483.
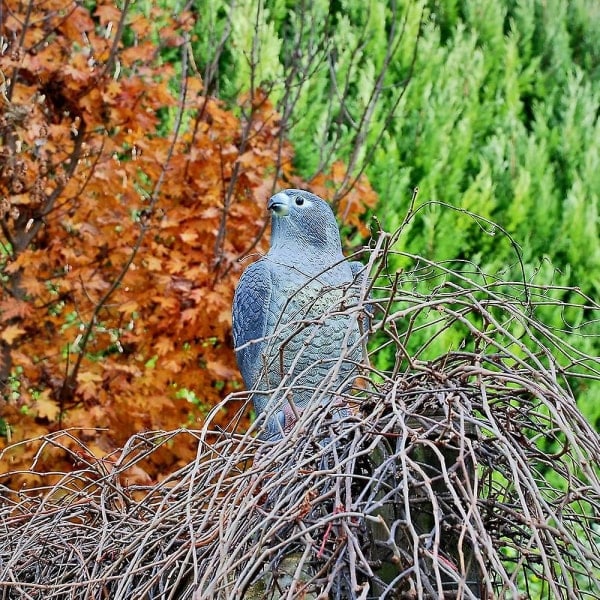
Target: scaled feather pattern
x: 295, y: 317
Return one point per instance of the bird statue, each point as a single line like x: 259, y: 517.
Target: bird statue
x: 297, y: 315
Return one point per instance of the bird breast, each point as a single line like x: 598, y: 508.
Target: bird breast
x: 313, y: 336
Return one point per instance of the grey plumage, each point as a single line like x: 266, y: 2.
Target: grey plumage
x: 291, y: 323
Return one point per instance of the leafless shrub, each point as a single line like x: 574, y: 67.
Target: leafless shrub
x: 472, y: 475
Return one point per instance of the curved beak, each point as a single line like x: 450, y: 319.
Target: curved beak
x: 279, y: 204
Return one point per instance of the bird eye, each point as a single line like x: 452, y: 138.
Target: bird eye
x: 299, y: 201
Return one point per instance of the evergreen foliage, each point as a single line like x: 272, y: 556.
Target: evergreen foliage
x: 491, y: 108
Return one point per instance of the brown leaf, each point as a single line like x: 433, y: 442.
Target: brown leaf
x: 45, y: 407
x: 163, y: 346
x: 11, y: 333
x: 108, y: 13
x: 129, y: 307
x: 88, y: 384
x: 221, y: 370
x: 12, y: 308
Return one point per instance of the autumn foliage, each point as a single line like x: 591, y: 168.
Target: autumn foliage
x: 127, y: 199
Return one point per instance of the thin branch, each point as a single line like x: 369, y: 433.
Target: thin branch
x: 69, y: 383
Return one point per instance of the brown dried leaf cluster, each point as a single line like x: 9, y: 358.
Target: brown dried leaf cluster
x: 127, y: 198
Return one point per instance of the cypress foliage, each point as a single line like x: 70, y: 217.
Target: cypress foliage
x: 489, y: 107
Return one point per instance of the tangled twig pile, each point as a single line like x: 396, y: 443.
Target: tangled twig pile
x: 472, y: 475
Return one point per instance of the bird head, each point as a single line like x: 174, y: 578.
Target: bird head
x: 303, y: 222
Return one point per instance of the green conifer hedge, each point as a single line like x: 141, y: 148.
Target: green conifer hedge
x: 491, y: 108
